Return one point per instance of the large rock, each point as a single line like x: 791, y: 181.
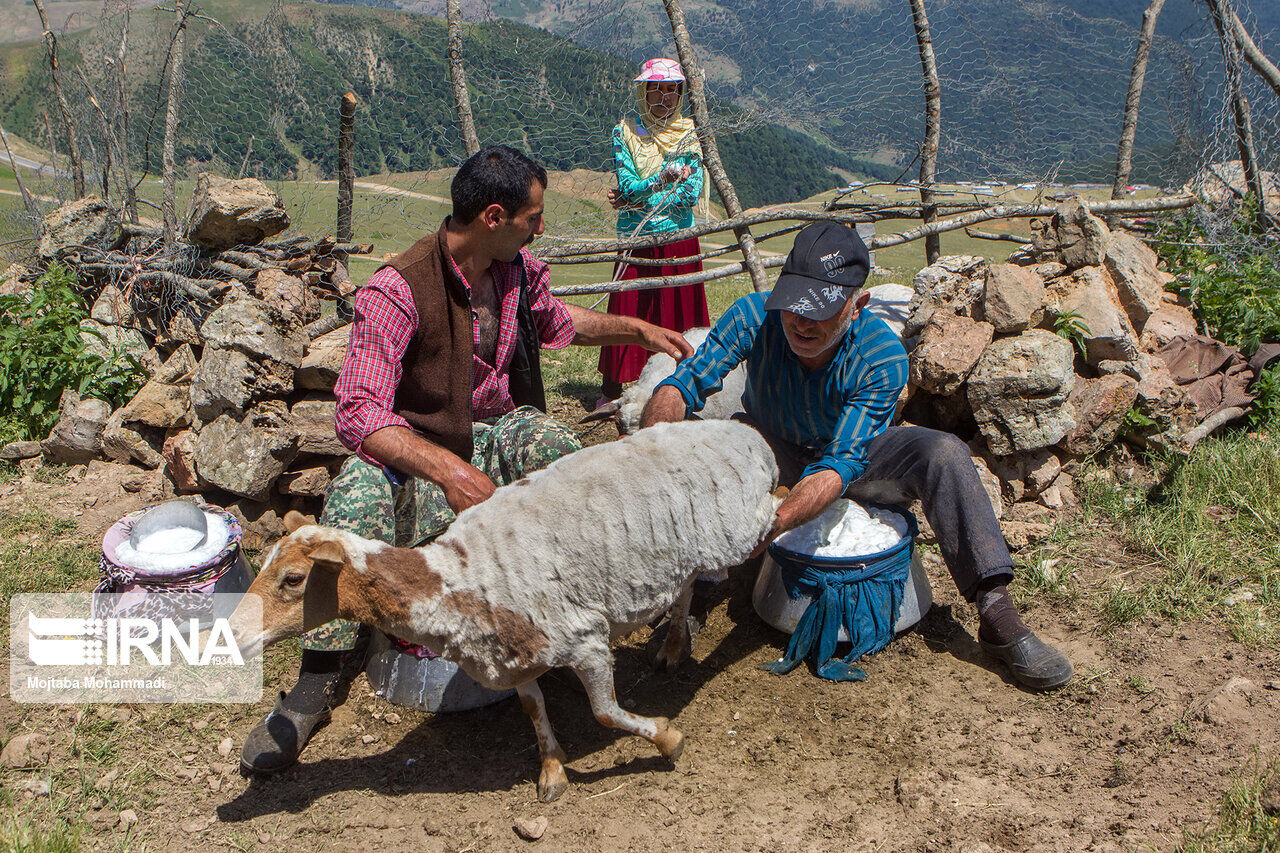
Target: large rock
x: 954, y: 284
x: 16, y: 450
x: 1169, y: 322
x: 87, y: 221
x: 1162, y: 400
x: 1108, y: 334
x: 1079, y: 238
x: 949, y: 347
x: 256, y: 329
x: 230, y: 381
x: 1100, y: 407
x: 307, y: 483
x: 245, y: 457
x: 179, y: 452
x: 286, y: 293
x: 16, y: 280
x: 312, y: 419
x: 1026, y: 475
x: 77, y: 437
x: 1138, y: 284
x: 161, y: 405
x: 113, y: 308
x: 1222, y: 185
x: 261, y: 524
x: 110, y: 342
x: 129, y: 444
x: 226, y: 212
x: 1014, y: 299
x: 990, y: 485
x: 323, y: 361
x: 1019, y: 389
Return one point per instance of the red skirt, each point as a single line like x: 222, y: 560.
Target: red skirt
x: 675, y: 308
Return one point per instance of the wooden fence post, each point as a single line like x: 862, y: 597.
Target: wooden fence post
x: 932, y: 127
x: 1220, y: 13
x: 706, y: 136
x: 346, y: 192
x: 73, y: 148
x: 1124, y: 151
x: 122, y: 97
x: 27, y: 201
x: 346, y: 165
x: 458, y: 76
x: 169, y: 204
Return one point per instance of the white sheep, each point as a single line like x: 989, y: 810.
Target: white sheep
x: 547, y: 571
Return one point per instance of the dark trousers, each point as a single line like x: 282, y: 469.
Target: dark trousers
x: 909, y: 463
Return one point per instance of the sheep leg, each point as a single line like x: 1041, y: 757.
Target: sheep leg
x: 598, y: 680
x: 677, y: 648
x: 551, y: 781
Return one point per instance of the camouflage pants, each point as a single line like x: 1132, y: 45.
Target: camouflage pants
x: 365, y: 502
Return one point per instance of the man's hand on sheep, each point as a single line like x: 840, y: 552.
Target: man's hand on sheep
x: 466, y: 486
x: 665, y: 406
x: 808, y: 500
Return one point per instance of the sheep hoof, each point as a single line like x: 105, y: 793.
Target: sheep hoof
x: 670, y: 742
x: 551, y: 784
x: 670, y: 655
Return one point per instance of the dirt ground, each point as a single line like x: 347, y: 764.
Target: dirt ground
x: 935, y: 751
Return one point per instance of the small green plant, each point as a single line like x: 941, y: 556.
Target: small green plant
x: 1135, y: 421
x: 42, y: 354
x: 1072, y: 326
x: 1232, y: 280
x: 1243, y: 820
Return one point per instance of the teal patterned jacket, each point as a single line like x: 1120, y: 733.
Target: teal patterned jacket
x: 674, y: 204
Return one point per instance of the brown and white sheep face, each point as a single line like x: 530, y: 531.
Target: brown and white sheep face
x: 298, y: 587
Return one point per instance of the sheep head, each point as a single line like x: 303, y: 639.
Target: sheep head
x: 298, y: 585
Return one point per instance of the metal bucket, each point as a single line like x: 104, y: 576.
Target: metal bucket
x: 778, y: 609
x: 127, y: 587
x: 428, y: 684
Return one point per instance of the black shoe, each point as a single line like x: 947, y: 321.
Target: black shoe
x: 1033, y: 663
x: 276, y: 742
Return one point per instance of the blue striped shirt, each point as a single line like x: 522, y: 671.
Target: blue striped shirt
x: 834, y: 410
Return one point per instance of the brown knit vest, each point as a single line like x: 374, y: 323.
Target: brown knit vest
x: 434, y: 395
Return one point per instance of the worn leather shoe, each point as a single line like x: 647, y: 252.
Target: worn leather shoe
x: 1033, y: 663
x: 276, y: 742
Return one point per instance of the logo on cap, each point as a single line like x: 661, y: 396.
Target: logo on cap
x: 832, y: 263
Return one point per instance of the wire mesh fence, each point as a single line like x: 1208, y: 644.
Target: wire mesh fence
x: 805, y: 97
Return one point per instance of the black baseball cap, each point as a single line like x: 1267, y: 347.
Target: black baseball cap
x: 827, y: 265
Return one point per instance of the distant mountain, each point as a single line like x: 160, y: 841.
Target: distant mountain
x: 261, y: 97
x: 1028, y: 88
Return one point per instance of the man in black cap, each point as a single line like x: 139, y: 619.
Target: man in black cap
x: 823, y: 379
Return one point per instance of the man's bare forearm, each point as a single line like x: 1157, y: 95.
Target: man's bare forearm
x: 409, y: 453
x: 464, y: 485
x: 808, y: 500
x: 595, y: 328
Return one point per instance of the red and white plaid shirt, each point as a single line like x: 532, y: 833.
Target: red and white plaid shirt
x: 386, y: 321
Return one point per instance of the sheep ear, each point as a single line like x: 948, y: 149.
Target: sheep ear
x: 294, y: 519
x: 329, y: 555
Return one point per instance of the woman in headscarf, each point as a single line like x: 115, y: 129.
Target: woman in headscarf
x: 658, y: 163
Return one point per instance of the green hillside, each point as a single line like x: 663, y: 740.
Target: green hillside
x: 262, y: 91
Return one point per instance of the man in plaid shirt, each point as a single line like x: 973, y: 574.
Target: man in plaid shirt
x: 438, y: 419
